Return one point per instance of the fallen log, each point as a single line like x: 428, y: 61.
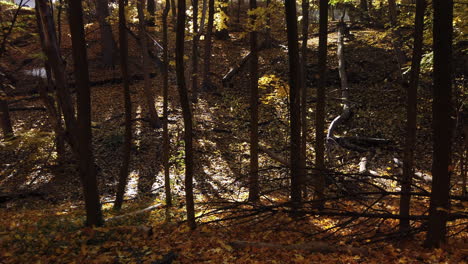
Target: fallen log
x: 145, y: 210
x: 235, y: 69
x: 316, y: 246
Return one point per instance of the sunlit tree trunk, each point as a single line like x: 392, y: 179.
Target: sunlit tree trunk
x: 320, y: 111
x: 442, y: 125
x: 411, y: 114
x: 186, y: 111
x: 165, y: 73
x: 83, y: 95
x: 124, y: 168
x: 295, y: 104
x: 254, y: 187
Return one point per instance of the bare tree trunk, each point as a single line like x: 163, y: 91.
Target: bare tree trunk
x: 295, y: 104
x: 411, y: 114
x: 320, y: 111
x: 305, y: 38
x: 187, y: 113
x: 5, y: 118
x: 54, y: 112
x: 86, y: 159
x: 195, y: 51
x: 108, y: 45
x: 174, y: 12
x: 167, y: 179
x: 123, y: 173
x: 59, y: 22
x: 149, y: 94
x: 151, y: 8
x: 208, y: 45
x: 203, y: 17
x: 58, y: 69
x: 254, y: 186
x: 442, y: 125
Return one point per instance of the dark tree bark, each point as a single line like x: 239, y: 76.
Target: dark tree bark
x: 108, y: 45
x: 59, y: 22
x: 305, y: 38
x: 442, y: 125
x: 186, y: 111
x: 151, y: 8
x: 53, y: 111
x: 149, y: 94
x: 57, y: 66
x: 5, y: 119
x: 123, y: 173
x: 295, y: 103
x: 208, y: 45
x: 392, y: 9
x: 174, y: 12
x: 254, y: 187
x: 363, y: 5
x: 195, y: 51
x: 165, y: 73
x: 320, y: 111
x: 411, y: 114
x: 86, y: 159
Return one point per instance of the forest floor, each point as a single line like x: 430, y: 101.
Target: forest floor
x: 44, y: 222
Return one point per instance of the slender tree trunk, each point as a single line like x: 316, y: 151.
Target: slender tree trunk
x: 59, y: 22
x: 295, y: 103
x: 54, y: 112
x: 187, y: 113
x: 86, y: 159
x: 108, y: 45
x: 320, y: 111
x: 208, y: 45
x: 411, y: 114
x: 123, y: 173
x: 167, y: 179
x: 397, y: 43
x: 195, y: 51
x: 151, y: 8
x: 392, y: 9
x: 203, y: 17
x: 7, y: 128
x: 174, y: 12
x: 442, y: 125
x: 305, y: 38
x: 149, y: 94
x: 58, y: 69
x: 254, y: 187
